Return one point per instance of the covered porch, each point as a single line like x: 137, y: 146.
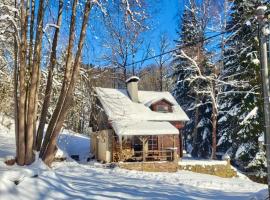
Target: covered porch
x: 145, y: 141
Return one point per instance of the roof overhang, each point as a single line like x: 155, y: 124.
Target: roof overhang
x: 143, y: 128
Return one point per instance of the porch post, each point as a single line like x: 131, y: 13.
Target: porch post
x: 173, y: 141
x: 144, y: 140
x: 143, y: 154
x: 173, y: 157
x: 121, y: 147
x: 180, y: 144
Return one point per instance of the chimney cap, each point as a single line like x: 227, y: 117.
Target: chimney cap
x: 133, y: 79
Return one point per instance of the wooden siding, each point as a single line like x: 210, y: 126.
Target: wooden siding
x: 178, y: 124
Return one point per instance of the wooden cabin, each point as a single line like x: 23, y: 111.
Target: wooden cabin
x: 133, y: 126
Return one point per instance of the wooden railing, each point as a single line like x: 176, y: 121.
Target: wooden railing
x: 155, y: 155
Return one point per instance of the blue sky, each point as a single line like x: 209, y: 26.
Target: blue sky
x: 167, y: 17
x: 164, y: 20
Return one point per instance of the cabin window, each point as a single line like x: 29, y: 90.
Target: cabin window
x: 162, y: 108
x: 153, y: 143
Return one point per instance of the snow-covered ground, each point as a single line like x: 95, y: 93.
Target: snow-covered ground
x: 71, y: 180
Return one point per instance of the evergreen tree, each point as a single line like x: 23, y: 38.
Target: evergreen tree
x: 197, y: 132
x: 240, y: 122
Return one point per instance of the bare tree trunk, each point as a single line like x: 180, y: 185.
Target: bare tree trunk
x: 15, y: 77
x: 161, y: 77
x: 30, y: 52
x: 31, y: 115
x: 195, y: 131
x: 30, y: 65
x: 214, y: 119
x: 22, y: 97
x: 66, y: 82
x: 36, y: 111
x: 125, y: 73
x: 47, y: 97
x: 27, y: 69
x: 180, y: 143
x: 214, y: 134
x: 31, y: 42
x: 51, y: 149
x: 224, y: 24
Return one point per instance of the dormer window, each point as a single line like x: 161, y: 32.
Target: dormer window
x: 162, y: 108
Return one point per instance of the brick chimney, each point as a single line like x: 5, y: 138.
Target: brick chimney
x: 132, y: 88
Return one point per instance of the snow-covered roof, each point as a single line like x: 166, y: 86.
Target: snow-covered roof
x: 150, y: 97
x: 118, y: 106
x: 127, y: 127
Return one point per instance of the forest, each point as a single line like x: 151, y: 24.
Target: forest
x: 50, y: 64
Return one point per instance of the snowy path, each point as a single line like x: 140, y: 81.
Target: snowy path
x: 70, y: 180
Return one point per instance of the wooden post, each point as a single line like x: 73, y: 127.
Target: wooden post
x: 120, y: 142
x: 173, y: 141
x: 143, y: 154
x: 144, y: 140
x: 132, y: 145
x: 162, y: 142
x: 174, y: 156
x: 121, y: 147
x: 180, y: 144
x: 96, y: 146
x: 161, y: 153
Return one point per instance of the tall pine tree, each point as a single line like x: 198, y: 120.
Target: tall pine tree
x: 240, y: 122
x: 197, y: 131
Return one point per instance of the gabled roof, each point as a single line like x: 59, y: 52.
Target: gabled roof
x: 150, y: 97
x: 153, y: 101
x: 118, y: 106
x: 131, y: 118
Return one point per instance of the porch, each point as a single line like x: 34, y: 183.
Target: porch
x: 145, y: 148
x: 142, y: 141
